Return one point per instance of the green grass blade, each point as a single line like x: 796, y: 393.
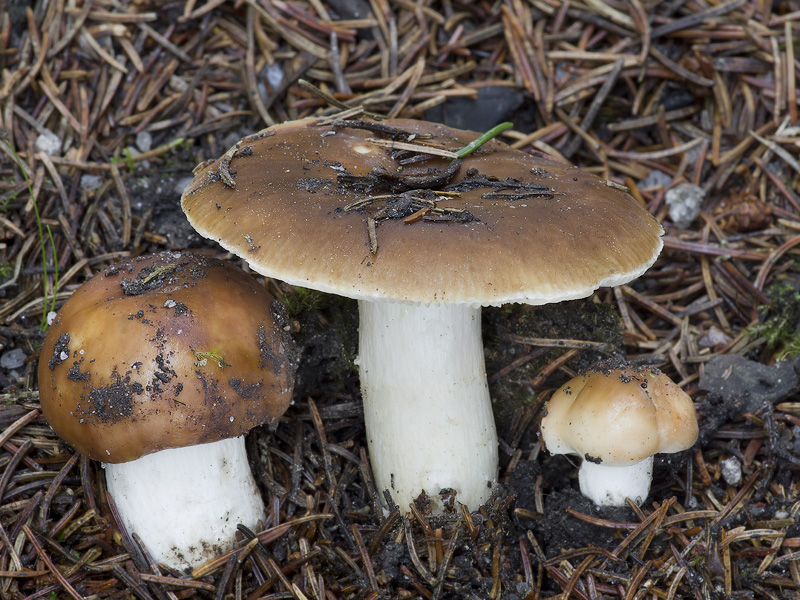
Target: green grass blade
x: 474, y: 145
x: 42, y: 242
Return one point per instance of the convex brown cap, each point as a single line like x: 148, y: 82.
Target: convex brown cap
x: 618, y: 417
x: 164, y: 351
x: 297, y: 202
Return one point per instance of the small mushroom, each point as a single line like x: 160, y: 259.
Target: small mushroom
x: 422, y: 242
x: 157, y: 367
x: 616, y: 420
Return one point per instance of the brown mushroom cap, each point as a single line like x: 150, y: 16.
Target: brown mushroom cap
x: 164, y: 351
x: 286, y: 217
x: 619, y: 416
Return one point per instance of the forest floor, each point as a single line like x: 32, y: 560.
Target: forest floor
x: 692, y: 104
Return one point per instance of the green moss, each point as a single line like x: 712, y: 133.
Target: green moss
x: 303, y: 301
x: 779, y: 320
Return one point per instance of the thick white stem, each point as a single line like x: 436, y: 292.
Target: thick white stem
x: 185, y: 503
x: 426, y: 401
x: 609, y: 486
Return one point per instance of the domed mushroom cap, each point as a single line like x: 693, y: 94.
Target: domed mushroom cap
x: 619, y: 417
x: 164, y: 351
x: 309, y: 203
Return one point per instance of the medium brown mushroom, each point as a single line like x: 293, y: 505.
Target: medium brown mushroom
x: 616, y: 420
x: 157, y: 367
x: 333, y: 206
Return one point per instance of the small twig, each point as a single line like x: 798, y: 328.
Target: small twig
x: 412, y: 551
x: 559, y: 343
x: 49, y: 563
x: 365, y: 559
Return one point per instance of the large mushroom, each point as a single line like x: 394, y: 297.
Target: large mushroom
x: 616, y: 420
x: 339, y: 207
x: 157, y: 367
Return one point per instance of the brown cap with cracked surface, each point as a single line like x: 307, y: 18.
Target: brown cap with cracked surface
x: 619, y: 416
x: 534, y: 231
x: 164, y: 351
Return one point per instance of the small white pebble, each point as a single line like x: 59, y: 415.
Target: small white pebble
x: 48, y: 142
x: 731, y: 470
x: 91, y: 182
x: 144, y: 141
x: 684, y: 201
x: 655, y: 178
x: 181, y: 183
x: 13, y: 359
x: 274, y: 75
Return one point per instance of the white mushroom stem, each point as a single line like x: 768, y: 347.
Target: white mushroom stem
x: 609, y: 485
x: 426, y: 401
x: 185, y: 503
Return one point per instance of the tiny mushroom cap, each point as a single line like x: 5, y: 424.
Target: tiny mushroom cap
x: 616, y: 420
x: 422, y: 238
x: 158, y: 366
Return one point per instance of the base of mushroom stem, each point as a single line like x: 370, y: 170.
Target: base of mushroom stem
x: 608, y: 485
x: 185, y: 503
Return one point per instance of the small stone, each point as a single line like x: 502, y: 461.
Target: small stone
x: 713, y: 337
x: 684, y: 202
x: 654, y: 179
x: 91, y: 182
x: 731, y: 470
x: 13, y: 359
x: 48, y: 142
x: 732, y: 376
x: 181, y: 183
x: 144, y: 141
x: 274, y: 75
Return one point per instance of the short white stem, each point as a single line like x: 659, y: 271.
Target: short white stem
x: 185, y: 503
x: 426, y: 401
x: 609, y: 486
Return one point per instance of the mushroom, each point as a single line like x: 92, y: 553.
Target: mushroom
x: 157, y: 367
x: 616, y: 420
x: 335, y: 206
